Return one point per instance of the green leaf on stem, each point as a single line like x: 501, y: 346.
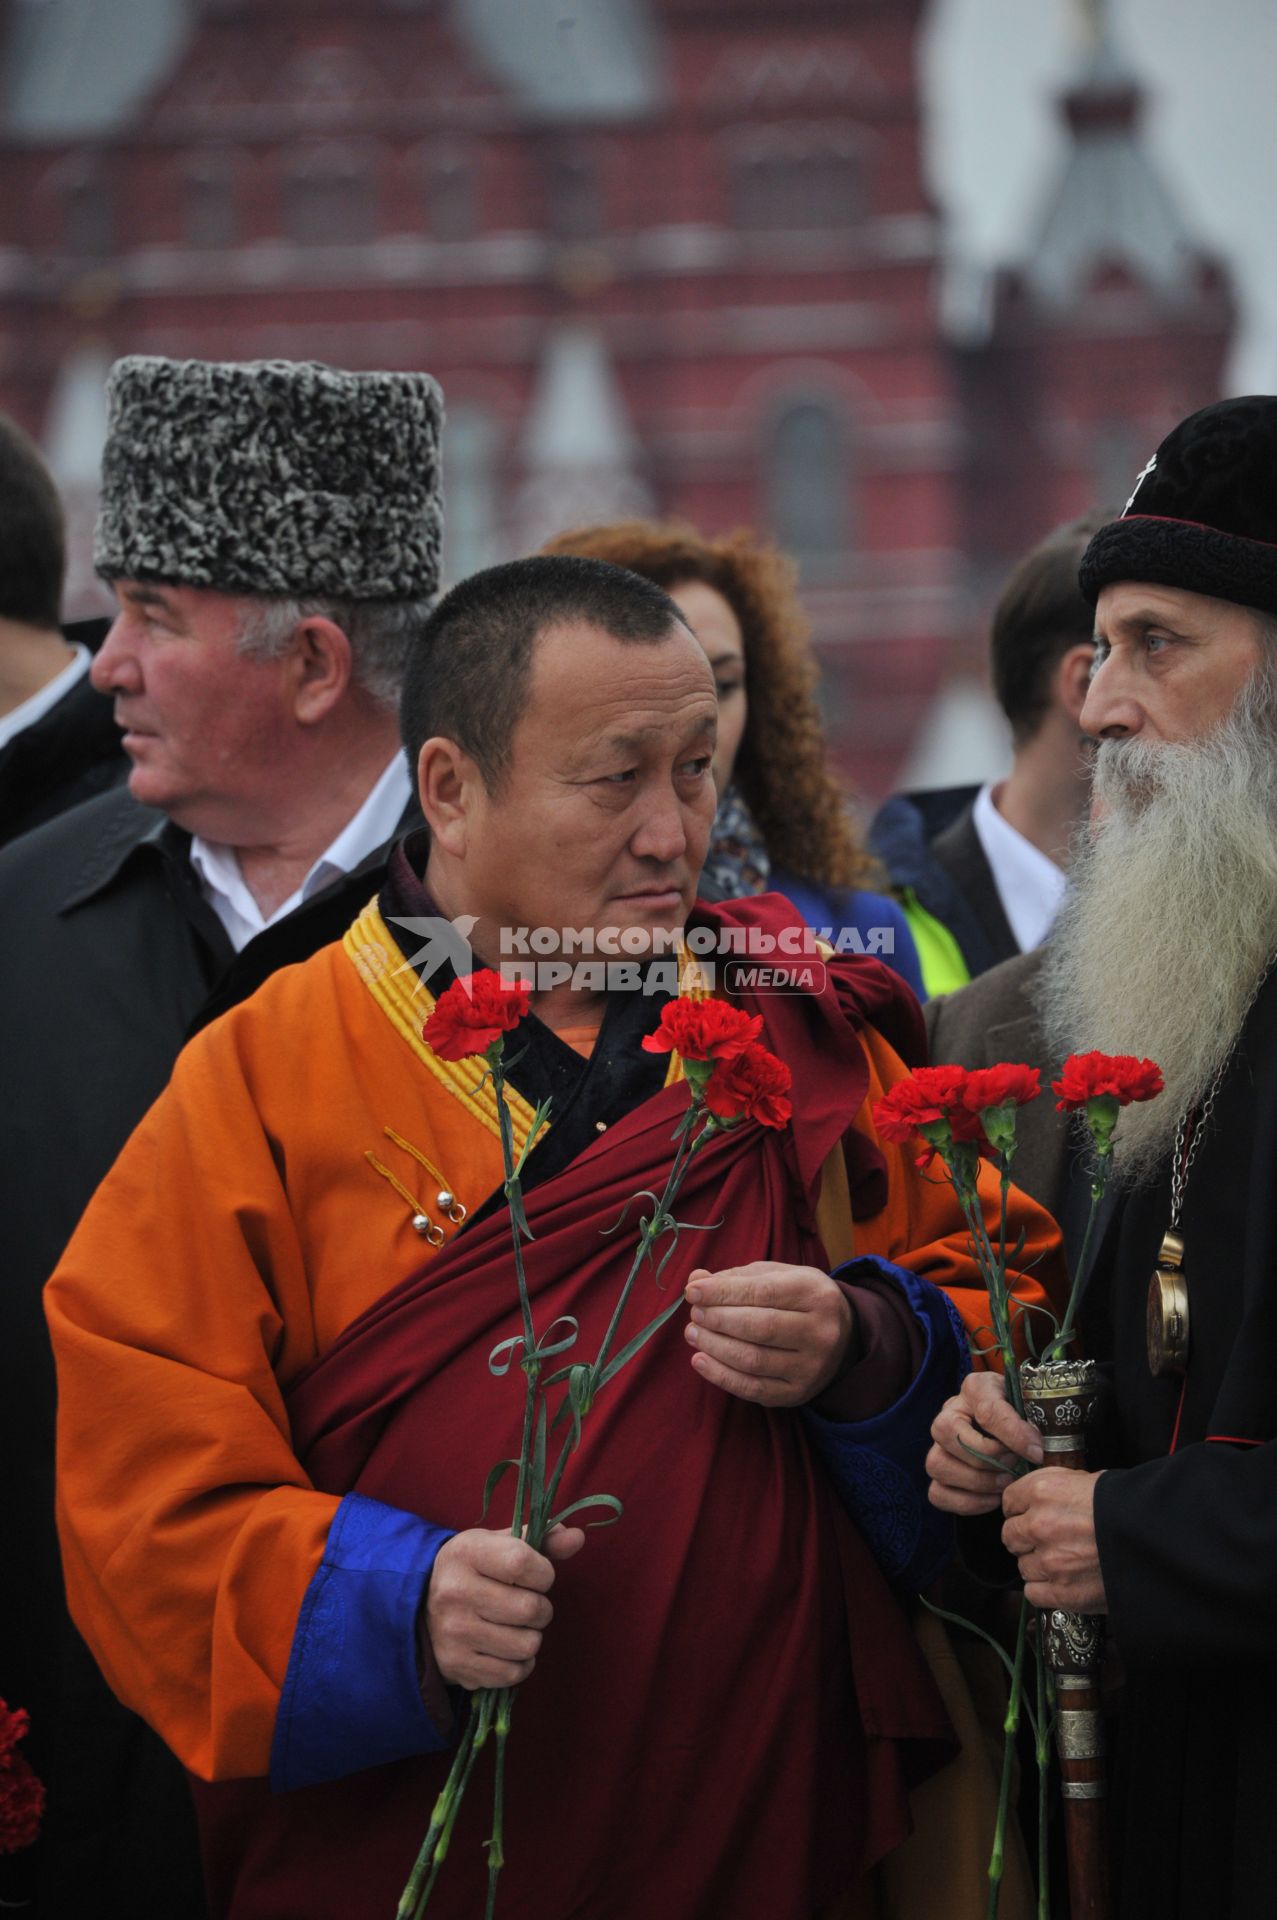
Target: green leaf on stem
x: 580, y: 1396
x: 539, y: 1118
x: 514, y: 1200
x: 589, y: 1500
x: 969, y: 1626
x: 1015, y: 1469
x: 645, y: 1193
x: 492, y: 1482
x: 546, y: 1347
x: 631, y: 1347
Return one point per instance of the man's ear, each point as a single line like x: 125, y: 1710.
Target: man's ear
x: 1071, y: 679
x: 322, y: 668
x: 448, y: 786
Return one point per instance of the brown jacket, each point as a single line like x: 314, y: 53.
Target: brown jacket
x: 994, y: 1019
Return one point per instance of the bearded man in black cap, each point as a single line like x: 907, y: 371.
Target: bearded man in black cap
x: 272, y: 532
x: 1166, y: 949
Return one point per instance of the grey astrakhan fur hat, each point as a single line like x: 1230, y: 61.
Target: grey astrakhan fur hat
x: 272, y: 477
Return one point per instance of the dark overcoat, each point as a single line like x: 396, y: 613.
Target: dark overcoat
x: 109, y: 959
x: 1187, y: 1521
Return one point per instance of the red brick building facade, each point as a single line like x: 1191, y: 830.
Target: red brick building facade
x: 663, y: 255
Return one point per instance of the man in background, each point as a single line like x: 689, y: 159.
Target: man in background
x: 58, y: 740
x: 1165, y: 948
x: 272, y: 534
x: 982, y: 870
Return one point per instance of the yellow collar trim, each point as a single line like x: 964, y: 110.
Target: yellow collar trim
x: 408, y: 1004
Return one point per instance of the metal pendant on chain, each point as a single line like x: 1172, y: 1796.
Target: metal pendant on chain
x: 1166, y: 1316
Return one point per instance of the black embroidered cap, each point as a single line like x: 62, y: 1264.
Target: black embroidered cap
x: 273, y: 477
x: 1203, y: 515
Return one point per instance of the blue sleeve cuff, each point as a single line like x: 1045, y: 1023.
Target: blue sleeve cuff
x: 878, y: 1466
x: 351, y: 1697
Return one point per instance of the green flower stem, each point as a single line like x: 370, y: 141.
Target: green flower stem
x: 412, y: 1893
x: 413, y: 1899
x: 688, y: 1146
x: 496, y: 1853
x: 534, y: 1494
x: 531, y: 1368
x: 994, y: 1274
x: 484, y: 1698
x: 653, y: 1228
x: 1060, y: 1344
x: 1010, y: 1727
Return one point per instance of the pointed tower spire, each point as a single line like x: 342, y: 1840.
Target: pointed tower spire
x: 1111, y: 210
x: 579, y: 451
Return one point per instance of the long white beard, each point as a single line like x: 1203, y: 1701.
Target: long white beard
x: 1171, y: 913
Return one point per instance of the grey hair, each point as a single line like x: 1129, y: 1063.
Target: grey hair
x: 1267, y: 625
x: 381, y: 633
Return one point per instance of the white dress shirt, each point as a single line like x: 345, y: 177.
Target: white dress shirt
x: 222, y: 884
x: 1030, y: 885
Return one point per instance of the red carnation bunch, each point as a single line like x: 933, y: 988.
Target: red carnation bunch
x: 957, y: 1106
x: 753, y: 1086
x: 472, y: 1013
x: 724, y: 1061
x: 21, y: 1793
x: 703, y: 1030
x: 1105, y: 1076
x: 730, y: 1077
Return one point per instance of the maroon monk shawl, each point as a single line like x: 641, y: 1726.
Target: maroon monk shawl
x: 729, y: 1706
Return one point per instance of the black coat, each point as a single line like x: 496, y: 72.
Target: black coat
x: 110, y: 959
x: 1188, y: 1540
x: 69, y: 754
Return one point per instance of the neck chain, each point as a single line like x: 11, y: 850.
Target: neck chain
x: 1166, y: 1323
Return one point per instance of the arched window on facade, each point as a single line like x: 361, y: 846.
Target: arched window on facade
x: 574, y: 194
x: 208, y: 208
x: 328, y: 199
x: 452, y: 195
x: 471, y: 443
x: 808, y: 485
x: 88, y: 215
x: 798, y: 179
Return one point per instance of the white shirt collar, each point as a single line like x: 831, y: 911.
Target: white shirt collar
x: 222, y: 884
x: 19, y: 718
x: 1030, y: 885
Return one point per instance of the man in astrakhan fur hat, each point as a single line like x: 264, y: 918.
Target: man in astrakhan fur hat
x: 272, y: 535
x: 1166, y: 950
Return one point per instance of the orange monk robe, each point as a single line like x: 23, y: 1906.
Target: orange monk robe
x: 242, y: 1228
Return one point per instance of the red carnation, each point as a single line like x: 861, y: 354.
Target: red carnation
x: 472, y: 1013
x: 1112, y: 1076
x: 21, y: 1794
x: 703, y: 1030
x: 753, y: 1086
x: 1000, y: 1086
x: 929, y: 1097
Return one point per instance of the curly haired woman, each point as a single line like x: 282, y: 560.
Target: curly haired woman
x: 781, y: 825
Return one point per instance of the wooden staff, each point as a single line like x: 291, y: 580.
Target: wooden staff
x: 1059, y: 1399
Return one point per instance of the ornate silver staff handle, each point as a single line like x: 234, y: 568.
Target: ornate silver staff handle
x: 1060, y: 1399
